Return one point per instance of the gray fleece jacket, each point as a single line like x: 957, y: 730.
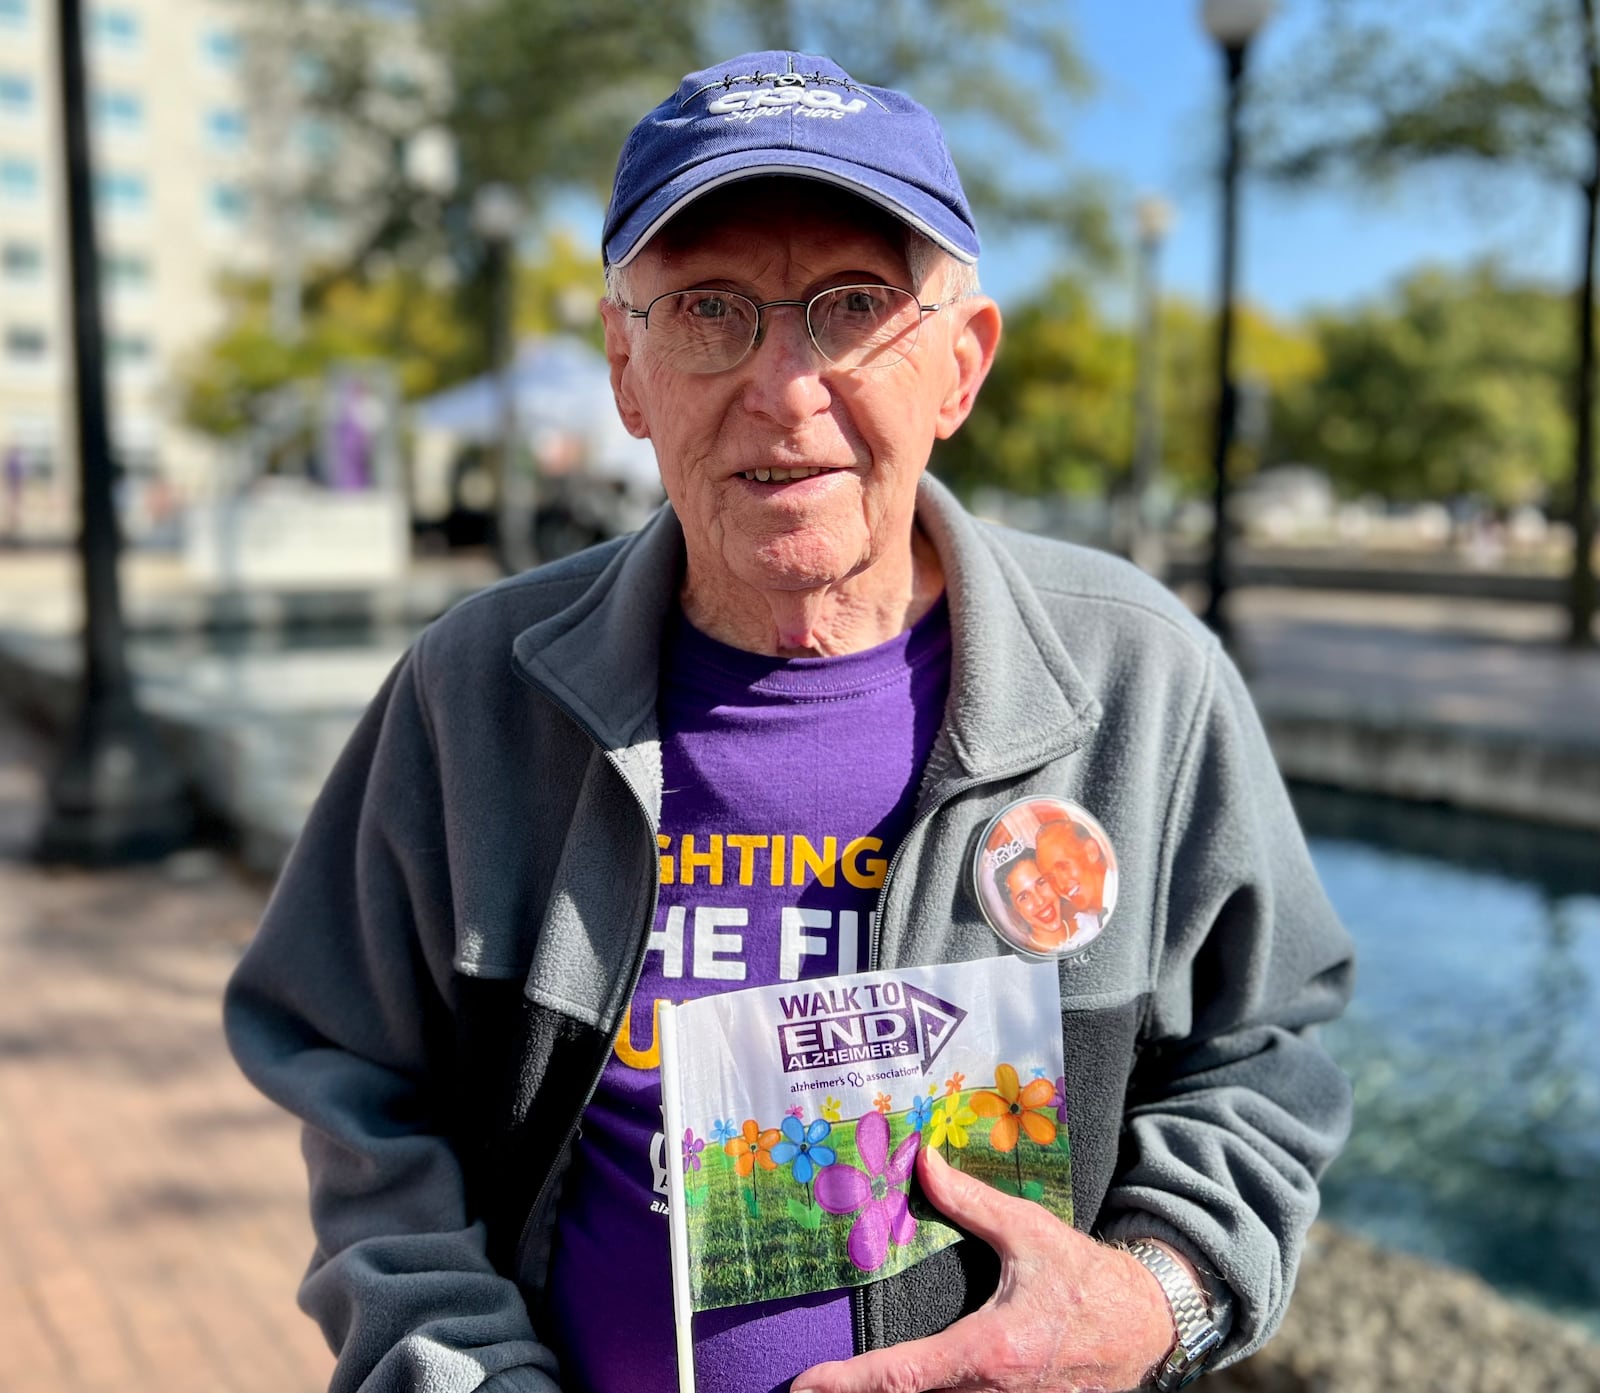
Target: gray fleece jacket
x: 446, y: 958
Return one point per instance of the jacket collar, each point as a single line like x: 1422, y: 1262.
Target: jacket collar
x: 1016, y: 698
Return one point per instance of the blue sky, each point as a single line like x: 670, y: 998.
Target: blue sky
x: 1153, y: 125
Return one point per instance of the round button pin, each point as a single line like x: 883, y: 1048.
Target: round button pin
x: 1046, y: 876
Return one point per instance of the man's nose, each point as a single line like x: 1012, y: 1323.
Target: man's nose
x: 786, y: 370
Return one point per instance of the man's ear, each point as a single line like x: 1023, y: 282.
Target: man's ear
x: 619, y: 354
x: 974, y: 348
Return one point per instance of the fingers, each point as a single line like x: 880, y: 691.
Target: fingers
x: 979, y: 1208
x: 944, y: 1361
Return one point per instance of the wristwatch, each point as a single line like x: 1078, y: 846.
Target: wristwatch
x: 1191, y: 1313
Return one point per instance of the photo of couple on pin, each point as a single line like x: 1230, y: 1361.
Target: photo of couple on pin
x: 1046, y: 876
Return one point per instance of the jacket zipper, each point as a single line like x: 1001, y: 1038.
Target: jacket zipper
x: 634, y: 975
x: 858, y: 1310
x: 875, y: 923
x: 858, y: 1295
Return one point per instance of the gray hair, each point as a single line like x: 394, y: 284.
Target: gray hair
x: 933, y: 272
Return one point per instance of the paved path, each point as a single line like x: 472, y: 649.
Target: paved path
x: 1462, y: 664
x: 152, y: 1205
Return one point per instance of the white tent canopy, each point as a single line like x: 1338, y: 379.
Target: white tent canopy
x: 560, y: 386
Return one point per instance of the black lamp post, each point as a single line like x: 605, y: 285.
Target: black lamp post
x: 115, y: 795
x: 1233, y: 24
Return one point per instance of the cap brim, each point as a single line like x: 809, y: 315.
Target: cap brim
x: 910, y: 204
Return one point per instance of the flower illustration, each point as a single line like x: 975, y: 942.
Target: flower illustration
x: 723, y: 1130
x: 692, y: 1147
x: 1036, y: 1072
x: 1060, y: 1100
x: 797, y: 1112
x: 920, y: 1113
x: 950, y: 1123
x: 830, y: 1109
x: 1018, y: 1108
x: 753, y: 1147
x: 954, y: 1084
x: 875, y: 1195
x: 883, y: 1102
x: 800, y: 1148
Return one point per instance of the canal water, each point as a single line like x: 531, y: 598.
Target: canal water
x: 1473, y: 1041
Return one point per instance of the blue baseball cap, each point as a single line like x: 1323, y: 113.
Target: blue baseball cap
x: 792, y: 114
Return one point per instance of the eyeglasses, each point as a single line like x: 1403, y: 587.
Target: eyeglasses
x: 852, y: 326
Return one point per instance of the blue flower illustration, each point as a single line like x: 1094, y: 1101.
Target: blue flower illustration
x: 799, y: 1149
x: 921, y: 1114
x: 723, y: 1130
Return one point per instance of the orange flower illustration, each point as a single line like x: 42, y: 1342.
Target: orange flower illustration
x: 883, y: 1102
x: 954, y: 1084
x: 1018, y: 1109
x: 753, y: 1147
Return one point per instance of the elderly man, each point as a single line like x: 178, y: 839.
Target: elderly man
x: 756, y: 742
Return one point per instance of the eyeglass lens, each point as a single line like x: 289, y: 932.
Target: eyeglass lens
x: 853, y: 326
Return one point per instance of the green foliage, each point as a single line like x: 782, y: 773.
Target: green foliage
x: 559, y: 285
x: 543, y: 91
x: 1269, y: 356
x: 1057, y: 413
x: 1454, y: 386
x: 426, y: 332
x: 399, y: 318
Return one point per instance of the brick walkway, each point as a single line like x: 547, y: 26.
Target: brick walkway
x: 152, y: 1205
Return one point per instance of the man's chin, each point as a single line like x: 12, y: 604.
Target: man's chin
x: 798, y: 562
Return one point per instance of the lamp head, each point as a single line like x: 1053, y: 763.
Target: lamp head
x: 496, y: 212
x: 1233, y: 23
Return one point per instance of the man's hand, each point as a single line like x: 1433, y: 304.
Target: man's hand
x: 1069, y: 1315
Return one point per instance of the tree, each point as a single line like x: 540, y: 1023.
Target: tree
x: 396, y: 314
x: 1391, y: 86
x: 535, y: 94
x: 1270, y: 357
x: 1056, y: 415
x: 1449, y: 387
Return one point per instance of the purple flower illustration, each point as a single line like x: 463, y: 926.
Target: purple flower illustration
x: 876, y: 1196
x: 797, y: 1112
x: 800, y: 1149
x: 692, y: 1147
x: 1060, y: 1100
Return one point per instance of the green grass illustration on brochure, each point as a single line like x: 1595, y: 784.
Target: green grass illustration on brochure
x: 800, y: 1111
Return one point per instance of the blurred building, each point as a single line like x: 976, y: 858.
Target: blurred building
x: 200, y: 158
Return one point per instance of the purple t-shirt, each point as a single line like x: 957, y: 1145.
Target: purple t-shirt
x: 788, y: 785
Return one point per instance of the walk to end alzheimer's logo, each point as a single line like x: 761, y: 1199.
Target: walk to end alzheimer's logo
x: 862, y: 1024
x: 804, y: 1111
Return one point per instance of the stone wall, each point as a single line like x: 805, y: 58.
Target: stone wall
x: 1366, y: 1320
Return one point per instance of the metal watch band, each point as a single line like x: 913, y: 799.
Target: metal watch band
x: 1191, y: 1314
